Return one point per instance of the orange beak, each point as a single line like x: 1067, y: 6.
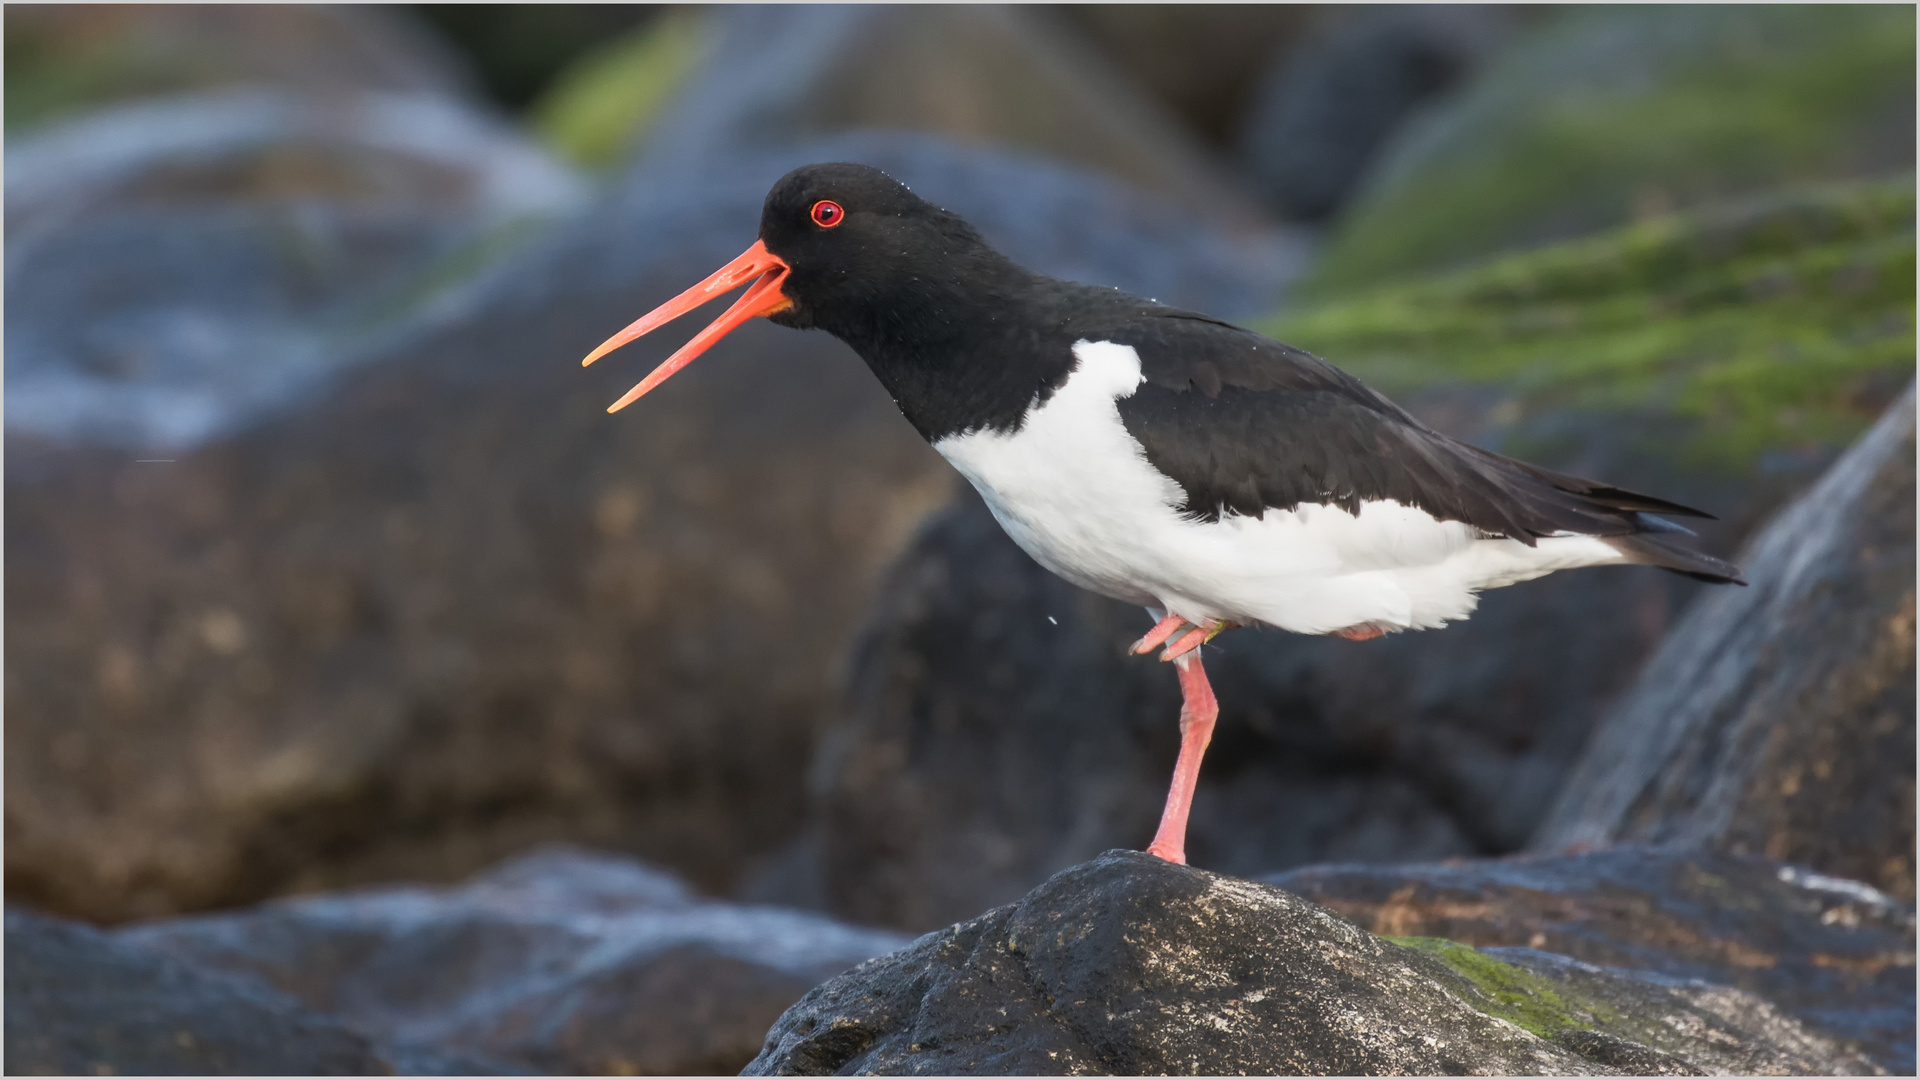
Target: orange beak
x: 764, y: 298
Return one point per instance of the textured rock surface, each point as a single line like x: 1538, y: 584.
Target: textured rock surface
x: 84, y: 1003
x: 559, y: 962
x: 445, y: 608
x: 1836, y: 954
x: 1779, y: 720
x: 1129, y: 965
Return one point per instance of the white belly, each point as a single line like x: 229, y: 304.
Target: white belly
x: 1074, y: 489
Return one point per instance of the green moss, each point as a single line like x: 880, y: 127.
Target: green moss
x: 1611, y: 114
x: 1777, y: 324
x: 1513, y: 994
x: 599, y: 109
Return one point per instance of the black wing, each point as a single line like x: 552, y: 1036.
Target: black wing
x: 1245, y: 424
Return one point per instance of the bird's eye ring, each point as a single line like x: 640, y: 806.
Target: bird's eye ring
x: 826, y: 213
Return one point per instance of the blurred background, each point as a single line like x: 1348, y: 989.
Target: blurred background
x: 327, y: 569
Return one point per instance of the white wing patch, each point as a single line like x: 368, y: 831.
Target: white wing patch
x: 1074, y: 489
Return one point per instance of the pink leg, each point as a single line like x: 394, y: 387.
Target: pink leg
x: 1161, y: 631
x: 1198, y: 710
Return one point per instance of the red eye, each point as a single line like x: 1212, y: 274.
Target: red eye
x: 827, y: 213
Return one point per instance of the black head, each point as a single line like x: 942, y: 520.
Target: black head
x: 850, y: 250
x: 865, y: 251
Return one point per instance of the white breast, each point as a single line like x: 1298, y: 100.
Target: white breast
x: 1074, y: 489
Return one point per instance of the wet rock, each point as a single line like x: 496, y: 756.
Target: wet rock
x: 81, y: 1002
x: 1129, y: 965
x: 1835, y: 954
x: 1597, y: 117
x: 441, y: 607
x: 1328, y: 103
x: 559, y: 961
x: 1778, y: 720
x: 178, y: 264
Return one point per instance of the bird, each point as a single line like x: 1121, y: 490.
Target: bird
x: 1163, y: 457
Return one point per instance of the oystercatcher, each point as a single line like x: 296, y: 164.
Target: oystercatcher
x: 1163, y: 457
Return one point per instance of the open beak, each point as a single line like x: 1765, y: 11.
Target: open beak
x: 763, y: 298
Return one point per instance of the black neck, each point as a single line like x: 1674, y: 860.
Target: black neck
x: 974, y: 350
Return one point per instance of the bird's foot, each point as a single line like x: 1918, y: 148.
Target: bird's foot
x: 1161, y: 631
x: 1193, y: 639
x: 1177, y: 856
x: 1363, y: 632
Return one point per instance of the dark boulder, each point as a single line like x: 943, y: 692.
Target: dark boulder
x: 1836, y: 954
x: 81, y: 1002
x: 1202, y: 62
x: 558, y: 962
x: 1778, y: 720
x: 1129, y: 965
x: 1329, y: 102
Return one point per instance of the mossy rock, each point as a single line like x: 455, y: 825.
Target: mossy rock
x: 1785, y: 323
x: 1607, y: 115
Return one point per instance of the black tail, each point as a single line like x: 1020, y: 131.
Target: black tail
x: 1657, y: 546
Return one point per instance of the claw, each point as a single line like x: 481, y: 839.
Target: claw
x: 1199, y: 636
x: 1161, y: 631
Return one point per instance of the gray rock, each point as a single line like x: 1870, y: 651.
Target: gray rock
x: 1129, y: 965
x: 1330, y: 101
x: 1837, y: 955
x: 179, y: 264
x: 1779, y: 720
x: 81, y: 1002
x: 558, y: 961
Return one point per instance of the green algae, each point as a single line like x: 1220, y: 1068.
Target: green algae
x: 1611, y: 114
x: 1779, y: 323
x: 1513, y: 994
x: 601, y: 107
